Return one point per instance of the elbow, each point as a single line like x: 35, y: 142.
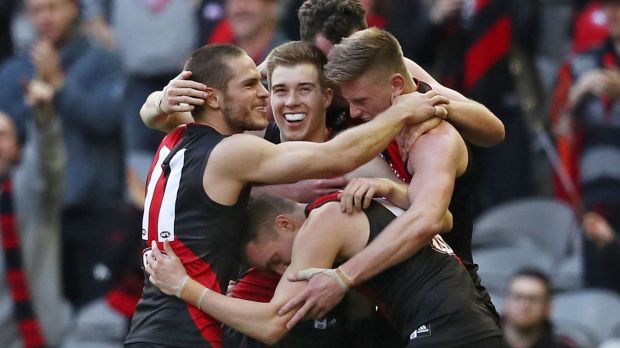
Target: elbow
x: 273, y: 335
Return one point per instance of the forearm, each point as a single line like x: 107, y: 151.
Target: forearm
x: 362, y: 143
x: 258, y: 320
x: 399, y: 195
x: 476, y: 123
x: 153, y: 117
x: 401, y: 239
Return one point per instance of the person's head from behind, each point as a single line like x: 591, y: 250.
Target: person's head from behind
x: 368, y: 67
x: 52, y: 19
x: 272, y: 225
x: 611, y: 8
x: 528, y: 300
x: 248, y: 17
x: 9, y: 145
x: 234, y: 87
x: 300, y: 93
x: 325, y: 22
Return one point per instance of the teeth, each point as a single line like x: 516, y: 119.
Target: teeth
x: 295, y: 117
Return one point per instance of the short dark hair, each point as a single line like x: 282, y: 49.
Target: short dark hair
x: 364, y: 51
x: 334, y: 19
x: 261, y: 213
x: 533, y: 273
x: 209, y: 65
x: 295, y: 53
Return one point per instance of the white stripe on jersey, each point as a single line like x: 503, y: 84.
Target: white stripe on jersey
x: 157, y: 171
x: 168, y: 204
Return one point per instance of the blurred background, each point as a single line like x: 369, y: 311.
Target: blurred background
x: 547, y: 198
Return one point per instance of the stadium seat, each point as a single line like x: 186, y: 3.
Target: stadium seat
x: 596, y: 309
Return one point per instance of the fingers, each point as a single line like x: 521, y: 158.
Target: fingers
x: 155, y: 252
x: 305, y: 274
x: 293, y: 303
x: 168, y: 249
x: 299, y: 315
x: 438, y: 99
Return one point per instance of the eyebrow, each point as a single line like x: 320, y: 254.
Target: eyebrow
x: 250, y: 81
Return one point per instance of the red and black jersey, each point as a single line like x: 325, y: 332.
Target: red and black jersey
x: 429, y: 297
x: 203, y: 233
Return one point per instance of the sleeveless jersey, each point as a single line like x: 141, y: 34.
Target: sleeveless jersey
x: 459, y: 238
x: 429, y: 297
x: 203, y: 233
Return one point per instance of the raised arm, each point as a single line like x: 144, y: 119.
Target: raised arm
x: 251, y: 159
x: 312, y: 248
x: 477, y: 123
x: 171, y: 107
x: 430, y: 192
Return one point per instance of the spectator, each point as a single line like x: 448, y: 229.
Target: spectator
x: 527, y: 308
x: 87, y: 87
x: 599, y: 232
x: 251, y: 25
x: 590, y: 149
x: 32, y: 309
x: 468, y: 46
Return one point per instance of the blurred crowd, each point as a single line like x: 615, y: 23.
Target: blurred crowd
x: 74, y: 153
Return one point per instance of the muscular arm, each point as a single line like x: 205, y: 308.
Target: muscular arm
x: 154, y: 118
x: 241, y: 159
x: 430, y: 192
x: 476, y: 122
x: 313, y: 247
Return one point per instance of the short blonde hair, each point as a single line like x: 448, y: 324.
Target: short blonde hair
x: 366, y: 50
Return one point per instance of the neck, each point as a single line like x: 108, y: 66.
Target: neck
x: 216, y: 121
x: 522, y: 337
x: 320, y: 136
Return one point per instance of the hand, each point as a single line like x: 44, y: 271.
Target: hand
x: 165, y: 270
x: 359, y: 193
x: 230, y: 287
x: 612, y: 83
x: 598, y: 229
x: 592, y: 82
x: 102, y: 32
x: 182, y: 94
x: 444, y: 10
x: 422, y: 106
x: 321, y: 294
x: 40, y: 96
x: 306, y: 191
x: 412, y: 134
x: 47, y: 63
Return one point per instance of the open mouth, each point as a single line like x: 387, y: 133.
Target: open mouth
x: 295, y: 117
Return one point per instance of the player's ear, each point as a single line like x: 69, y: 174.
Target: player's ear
x: 329, y: 96
x: 284, y: 224
x: 397, y: 82
x: 214, y: 98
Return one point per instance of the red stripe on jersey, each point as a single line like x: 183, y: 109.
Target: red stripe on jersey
x: 256, y: 285
x: 170, y: 141
x: 319, y: 201
x: 200, y: 271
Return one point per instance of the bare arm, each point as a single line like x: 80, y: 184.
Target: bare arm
x: 241, y: 159
x: 476, y: 122
x: 167, y: 109
x: 430, y: 193
x: 312, y: 248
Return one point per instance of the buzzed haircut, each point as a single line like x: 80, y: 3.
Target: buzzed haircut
x: 209, y: 65
x: 367, y: 50
x: 262, y: 211
x: 294, y: 53
x: 334, y: 19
